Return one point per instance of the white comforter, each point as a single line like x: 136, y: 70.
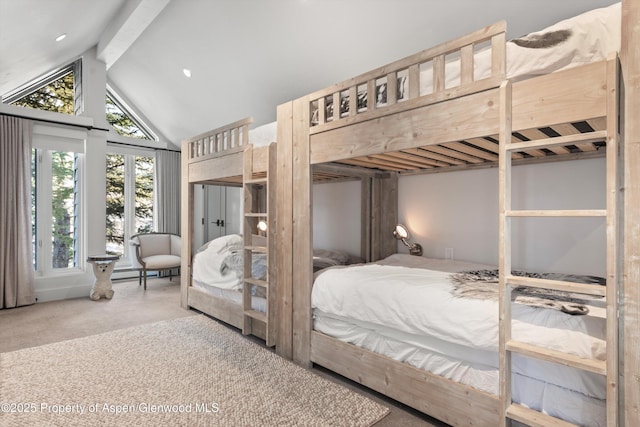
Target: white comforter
x: 220, y: 262
x: 419, y: 301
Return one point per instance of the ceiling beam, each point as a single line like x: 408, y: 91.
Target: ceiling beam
x: 134, y: 17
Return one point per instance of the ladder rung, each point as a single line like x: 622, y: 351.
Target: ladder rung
x: 557, y: 285
x: 534, y: 418
x: 256, y: 214
x: 560, y: 140
x: 261, y: 249
x: 591, y: 365
x: 257, y: 282
x: 254, y: 314
x: 255, y: 181
x: 557, y: 213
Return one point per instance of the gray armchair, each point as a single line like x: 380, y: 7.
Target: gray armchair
x: 155, y: 252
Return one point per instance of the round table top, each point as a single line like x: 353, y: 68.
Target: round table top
x: 103, y: 257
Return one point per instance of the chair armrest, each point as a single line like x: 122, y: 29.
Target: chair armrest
x: 136, y: 260
x: 176, y: 245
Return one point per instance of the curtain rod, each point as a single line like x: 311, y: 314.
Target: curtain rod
x: 142, y: 146
x: 21, y: 116
x: 55, y: 122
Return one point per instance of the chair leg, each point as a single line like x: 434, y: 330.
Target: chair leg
x: 139, y: 277
x: 170, y: 274
x: 144, y: 272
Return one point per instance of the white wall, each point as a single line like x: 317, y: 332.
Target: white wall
x: 336, y: 216
x: 459, y: 210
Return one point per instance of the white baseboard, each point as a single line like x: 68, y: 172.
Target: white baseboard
x: 56, y: 294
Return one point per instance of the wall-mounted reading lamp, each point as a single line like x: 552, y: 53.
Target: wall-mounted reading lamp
x: 401, y: 233
x: 262, y: 227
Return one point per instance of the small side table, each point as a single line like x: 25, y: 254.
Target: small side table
x: 103, y: 266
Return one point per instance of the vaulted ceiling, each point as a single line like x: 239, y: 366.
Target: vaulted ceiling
x: 246, y: 56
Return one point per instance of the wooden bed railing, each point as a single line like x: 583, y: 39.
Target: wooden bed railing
x: 223, y: 140
x: 397, y: 86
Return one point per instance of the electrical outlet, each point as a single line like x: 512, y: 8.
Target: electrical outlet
x: 448, y: 253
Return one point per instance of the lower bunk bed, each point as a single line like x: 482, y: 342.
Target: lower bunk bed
x: 217, y: 281
x: 217, y: 276
x: 439, y: 318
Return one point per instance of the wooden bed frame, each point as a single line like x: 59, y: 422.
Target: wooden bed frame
x: 221, y: 157
x: 489, y: 123
x: 217, y: 158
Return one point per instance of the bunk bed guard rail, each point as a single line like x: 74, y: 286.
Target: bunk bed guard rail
x: 432, y: 75
x: 223, y: 140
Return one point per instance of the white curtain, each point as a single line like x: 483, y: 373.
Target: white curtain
x: 16, y: 257
x: 167, y: 191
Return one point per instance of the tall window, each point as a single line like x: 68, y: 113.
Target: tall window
x: 56, y: 171
x: 57, y: 204
x: 129, y: 199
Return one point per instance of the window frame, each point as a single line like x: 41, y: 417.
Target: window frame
x: 38, y: 83
x: 124, y: 107
x: 129, y: 230
x: 48, y: 139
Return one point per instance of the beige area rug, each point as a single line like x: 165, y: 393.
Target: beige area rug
x: 185, y: 372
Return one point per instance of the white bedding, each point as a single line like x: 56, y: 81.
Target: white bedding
x: 218, y: 268
x: 220, y: 263
x: 263, y: 135
x: 413, y: 317
x: 419, y: 301
x: 582, y: 39
x: 476, y: 369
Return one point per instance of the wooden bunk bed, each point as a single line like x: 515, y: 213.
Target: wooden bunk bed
x: 477, y: 122
x: 225, y: 156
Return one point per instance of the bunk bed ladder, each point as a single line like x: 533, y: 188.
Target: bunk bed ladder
x: 258, y: 205
x: 507, y: 281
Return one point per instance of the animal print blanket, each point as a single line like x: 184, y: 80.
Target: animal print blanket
x: 483, y: 284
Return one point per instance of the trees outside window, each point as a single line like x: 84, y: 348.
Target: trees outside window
x: 57, y: 178
x: 59, y: 91
x: 55, y: 174
x: 129, y: 200
x: 56, y: 96
x: 124, y: 121
x: 56, y: 209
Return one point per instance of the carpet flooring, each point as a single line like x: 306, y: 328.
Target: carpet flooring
x: 190, y: 371
x: 57, y: 321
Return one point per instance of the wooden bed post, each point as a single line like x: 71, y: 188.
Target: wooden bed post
x: 302, y: 234
x: 186, y: 195
x: 504, y: 255
x: 630, y: 295
x: 365, y: 218
x: 384, y: 211
x: 284, y: 234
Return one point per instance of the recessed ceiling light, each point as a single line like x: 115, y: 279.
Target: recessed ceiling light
x: 61, y: 37
x: 187, y: 72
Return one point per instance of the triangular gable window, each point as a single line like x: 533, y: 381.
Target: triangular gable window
x: 124, y: 121
x: 55, y: 91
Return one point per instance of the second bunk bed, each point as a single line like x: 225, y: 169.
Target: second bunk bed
x: 236, y: 278
x: 456, y: 106
x: 236, y: 282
